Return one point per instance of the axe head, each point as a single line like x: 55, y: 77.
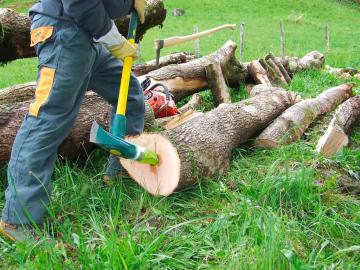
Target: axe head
x: 159, y: 44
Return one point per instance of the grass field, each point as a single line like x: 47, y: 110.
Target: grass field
x: 276, y: 209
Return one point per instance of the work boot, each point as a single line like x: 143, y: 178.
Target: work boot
x: 114, y: 171
x: 17, y: 233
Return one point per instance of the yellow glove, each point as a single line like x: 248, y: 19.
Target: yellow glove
x: 140, y: 6
x: 123, y: 50
x: 118, y: 45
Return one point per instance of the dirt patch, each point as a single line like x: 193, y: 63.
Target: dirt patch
x: 347, y: 181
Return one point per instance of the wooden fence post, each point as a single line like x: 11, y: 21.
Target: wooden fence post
x: 327, y: 37
x: 197, y: 43
x: 282, y: 38
x: 242, y: 32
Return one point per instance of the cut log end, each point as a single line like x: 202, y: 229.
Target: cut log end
x: 160, y: 180
x: 333, y: 141
x: 335, y: 137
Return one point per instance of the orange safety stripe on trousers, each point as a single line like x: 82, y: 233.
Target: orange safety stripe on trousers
x: 41, y: 34
x: 43, y: 89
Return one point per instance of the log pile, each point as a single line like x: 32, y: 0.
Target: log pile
x: 188, y: 78
x: 193, y: 144
x: 15, y: 30
x: 291, y: 125
x: 275, y: 71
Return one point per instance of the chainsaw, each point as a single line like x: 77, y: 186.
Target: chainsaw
x: 160, y: 99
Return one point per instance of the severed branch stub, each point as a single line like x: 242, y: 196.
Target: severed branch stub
x: 188, y: 78
x: 217, y: 83
x: 291, y: 125
x: 336, y: 136
x: 171, y: 59
x: 193, y: 104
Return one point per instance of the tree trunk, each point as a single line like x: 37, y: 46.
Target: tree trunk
x: 201, y: 148
x: 186, y: 79
x: 15, y: 28
x: 260, y: 89
x: 217, y: 83
x: 312, y: 60
x: 14, y: 105
x: 291, y: 125
x: 335, y: 138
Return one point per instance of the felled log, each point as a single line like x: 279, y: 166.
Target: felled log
x: 15, y: 28
x: 261, y: 89
x: 14, y: 104
x: 345, y: 73
x: 217, y: 83
x: 201, y: 148
x: 291, y: 125
x: 155, y: 15
x: 336, y: 136
x: 312, y: 60
x: 186, y: 79
x: 275, y: 75
x: 77, y: 143
x: 258, y: 73
x: 272, y: 70
x: 278, y: 65
x: 171, y: 59
x: 17, y: 93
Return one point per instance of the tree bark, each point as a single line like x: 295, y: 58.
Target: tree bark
x: 171, y: 59
x: 217, y: 83
x: 261, y: 89
x: 14, y: 105
x: 275, y: 70
x: 312, y: 60
x: 336, y: 136
x: 186, y: 79
x: 280, y: 66
x: 15, y: 28
x: 93, y: 108
x: 345, y: 73
x: 201, y: 148
x: 193, y: 104
x: 258, y: 73
x: 291, y: 125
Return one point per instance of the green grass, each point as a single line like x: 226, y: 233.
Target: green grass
x: 276, y: 209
